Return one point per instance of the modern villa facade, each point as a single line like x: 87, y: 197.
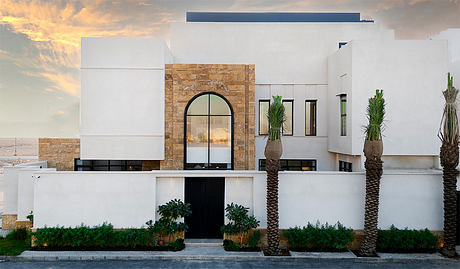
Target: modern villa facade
x: 190, y: 118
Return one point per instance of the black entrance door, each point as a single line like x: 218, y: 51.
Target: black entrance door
x: 206, y: 197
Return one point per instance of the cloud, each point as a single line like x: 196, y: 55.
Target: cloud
x: 55, y: 28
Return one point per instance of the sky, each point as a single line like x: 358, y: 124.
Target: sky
x: 40, y: 44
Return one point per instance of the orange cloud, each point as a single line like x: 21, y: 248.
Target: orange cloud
x: 55, y: 27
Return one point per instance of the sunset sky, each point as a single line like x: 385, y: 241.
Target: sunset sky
x: 40, y: 44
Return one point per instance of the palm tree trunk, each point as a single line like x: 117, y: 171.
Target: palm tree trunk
x: 449, y: 161
x: 272, y: 167
x: 373, y: 175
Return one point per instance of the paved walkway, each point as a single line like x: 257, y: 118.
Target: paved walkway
x: 207, y: 253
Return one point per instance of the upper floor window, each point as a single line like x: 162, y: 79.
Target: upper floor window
x: 264, y: 125
x: 208, y: 133
x: 107, y: 165
x: 310, y: 117
x: 345, y: 166
x: 292, y: 165
x: 289, y: 111
x: 343, y: 115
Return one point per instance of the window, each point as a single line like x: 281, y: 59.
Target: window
x: 310, y: 118
x: 343, y: 115
x: 341, y: 44
x: 289, y: 123
x: 264, y: 125
x: 345, y: 166
x: 107, y: 165
x: 292, y: 165
x: 208, y: 133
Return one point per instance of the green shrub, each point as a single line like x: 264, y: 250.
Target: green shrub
x: 229, y: 245
x: 253, y: 239
x: 396, y: 240
x: 97, y: 237
x: 240, y: 223
x: 19, y: 234
x: 319, y: 237
x: 167, y: 225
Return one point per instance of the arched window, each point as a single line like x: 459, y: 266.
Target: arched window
x: 208, y: 142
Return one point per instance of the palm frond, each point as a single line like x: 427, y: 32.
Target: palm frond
x: 276, y: 118
x: 375, y: 116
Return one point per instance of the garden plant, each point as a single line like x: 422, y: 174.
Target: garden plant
x: 167, y: 227
x: 373, y: 149
x: 319, y: 237
x: 273, y: 151
x: 240, y: 223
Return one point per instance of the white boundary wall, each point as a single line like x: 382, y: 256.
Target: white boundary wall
x: 410, y: 199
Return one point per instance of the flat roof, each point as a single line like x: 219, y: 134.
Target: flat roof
x: 273, y: 17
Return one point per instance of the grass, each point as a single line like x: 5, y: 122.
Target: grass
x: 15, y: 243
x: 10, y: 247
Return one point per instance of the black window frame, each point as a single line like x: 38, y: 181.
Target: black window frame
x: 292, y: 119
x: 268, y: 122
x: 292, y: 164
x: 343, y: 115
x: 345, y: 166
x: 208, y: 165
x: 107, y: 165
x: 313, y: 123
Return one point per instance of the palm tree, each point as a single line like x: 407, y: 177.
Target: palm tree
x: 273, y: 151
x: 373, y: 149
x: 449, y: 135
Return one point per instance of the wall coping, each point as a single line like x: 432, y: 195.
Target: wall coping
x: 243, y: 173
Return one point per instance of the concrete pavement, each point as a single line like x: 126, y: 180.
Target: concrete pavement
x: 211, y: 253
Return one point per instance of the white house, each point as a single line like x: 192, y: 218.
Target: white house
x: 194, y: 112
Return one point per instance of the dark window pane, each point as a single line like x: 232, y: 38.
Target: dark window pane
x: 291, y: 165
x: 343, y: 115
x: 100, y: 162
x: 310, y: 118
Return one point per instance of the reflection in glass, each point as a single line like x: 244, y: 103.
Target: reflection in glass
x: 310, y: 118
x: 220, y: 140
x: 343, y: 115
x: 218, y: 106
x: 199, y: 106
x: 197, y: 139
x: 287, y: 127
x: 208, y: 133
x: 263, y: 120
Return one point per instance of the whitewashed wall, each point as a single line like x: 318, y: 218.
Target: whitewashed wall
x: 124, y: 199
x: 411, y: 200
x: 298, y: 146
x: 412, y: 74
x: 284, y: 53
x: 26, y: 191
x: 122, y: 98
x: 408, y: 199
x: 11, y: 184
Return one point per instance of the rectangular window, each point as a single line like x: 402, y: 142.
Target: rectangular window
x: 263, y: 119
x: 345, y: 166
x: 289, y: 111
x: 343, y: 115
x: 292, y: 165
x: 310, y: 118
x: 107, y: 165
